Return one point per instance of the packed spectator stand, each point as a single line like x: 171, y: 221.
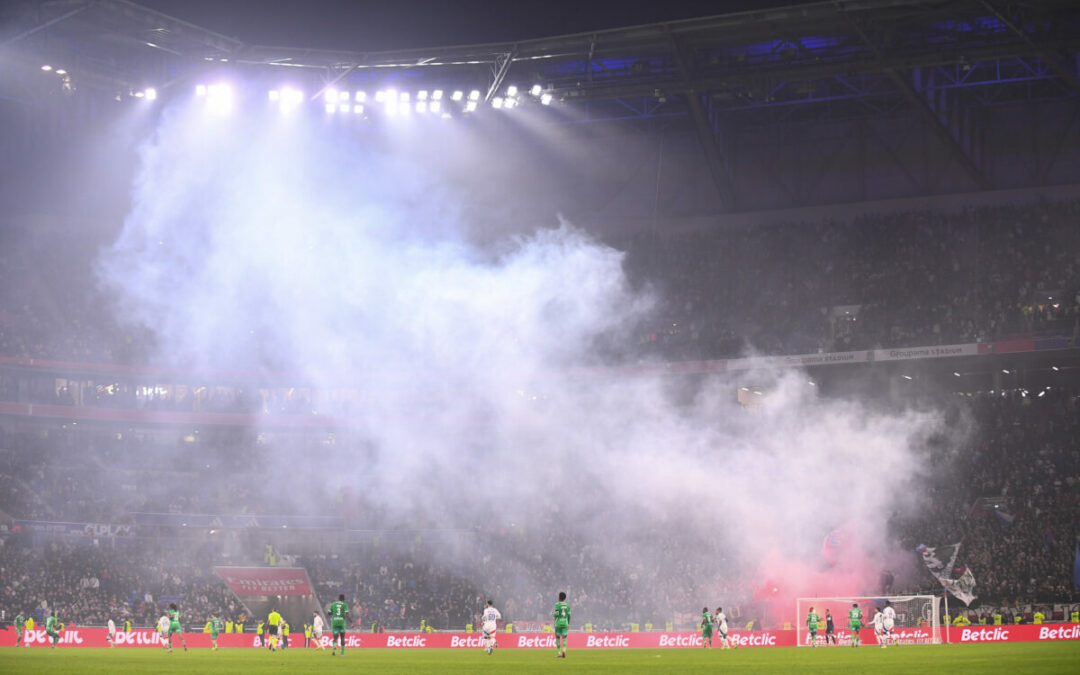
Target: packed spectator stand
x: 1011, y: 494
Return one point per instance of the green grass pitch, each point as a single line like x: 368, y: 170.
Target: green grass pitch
x: 1060, y: 657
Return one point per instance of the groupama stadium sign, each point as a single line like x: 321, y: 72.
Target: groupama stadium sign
x: 95, y: 637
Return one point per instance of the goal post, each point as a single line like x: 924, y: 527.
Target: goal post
x: 918, y: 618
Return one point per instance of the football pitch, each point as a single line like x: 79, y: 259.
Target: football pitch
x: 1060, y: 657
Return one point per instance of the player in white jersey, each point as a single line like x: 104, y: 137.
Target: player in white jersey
x: 890, y: 619
x: 317, y: 627
x: 488, y: 624
x: 163, y: 630
x: 720, y: 621
x: 111, y: 638
x: 879, y: 627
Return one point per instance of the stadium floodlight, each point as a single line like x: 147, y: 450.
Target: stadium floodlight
x: 360, y: 96
x: 391, y: 107
x: 275, y: 95
x: 292, y: 97
x: 151, y: 94
x: 421, y: 95
x: 956, y: 374
x: 404, y: 97
x: 1005, y: 370
x: 46, y: 67
x: 470, y: 106
x: 200, y: 90
x: 497, y: 102
x: 138, y: 94
x: 344, y: 107
x: 512, y: 90
x: 536, y: 90
x: 509, y: 103
x: 435, y: 106
x: 907, y: 377
x: 474, y: 95
x: 421, y: 106
x: 457, y: 95
x: 436, y: 95
x: 331, y: 96
x: 1055, y: 368
x: 380, y: 96
x: 219, y: 97
x: 61, y: 71
x: 331, y: 107
x: 545, y: 99
x: 358, y: 109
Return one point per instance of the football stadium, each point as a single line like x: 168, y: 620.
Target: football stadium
x: 607, y: 337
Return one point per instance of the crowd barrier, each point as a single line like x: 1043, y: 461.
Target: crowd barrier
x: 95, y: 637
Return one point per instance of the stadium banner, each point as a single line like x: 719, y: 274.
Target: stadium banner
x: 266, y: 580
x: 83, y: 529
x: 95, y: 637
x: 937, y: 352
x: 798, y: 360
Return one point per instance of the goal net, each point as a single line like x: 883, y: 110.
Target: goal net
x: 918, y: 619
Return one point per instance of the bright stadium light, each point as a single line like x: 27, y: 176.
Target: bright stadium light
x: 404, y: 97
x: 380, y: 96
x: 457, y: 95
x: 200, y: 90
x: 138, y: 94
x: 358, y: 109
x: 344, y: 107
x: 545, y: 99
x: 61, y: 71
x: 46, y: 67
x: 292, y: 97
x: 360, y: 96
x: 470, y: 106
x: 510, y: 103
x: 219, y: 97
x: 331, y: 107
x: 151, y: 94
x: 391, y: 107
x: 436, y: 95
x: 275, y: 95
x: 435, y: 106
x: 511, y: 90
x: 474, y: 95
x: 421, y: 95
x: 331, y: 96
x: 497, y: 102
x: 421, y: 106
x: 536, y: 90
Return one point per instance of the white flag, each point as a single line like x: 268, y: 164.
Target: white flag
x: 941, y: 562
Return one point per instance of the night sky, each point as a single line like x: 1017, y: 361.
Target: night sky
x: 377, y: 25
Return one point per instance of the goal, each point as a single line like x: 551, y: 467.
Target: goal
x: 918, y: 618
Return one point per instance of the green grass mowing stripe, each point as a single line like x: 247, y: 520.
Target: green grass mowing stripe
x: 1060, y: 657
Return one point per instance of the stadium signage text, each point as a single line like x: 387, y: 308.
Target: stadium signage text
x: 145, y: 638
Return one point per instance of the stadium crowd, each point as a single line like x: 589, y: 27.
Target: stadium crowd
x: 1010, y: 495
x: 885, y: 280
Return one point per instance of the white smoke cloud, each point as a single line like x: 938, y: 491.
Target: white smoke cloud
x: 299, y: 248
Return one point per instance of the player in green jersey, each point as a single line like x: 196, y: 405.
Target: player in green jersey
x: 53, y: 628
x: 811, y: 625
x: 20, y: 626
x: 854, y: 616
x: 216, y: 626
x: 174, y: 626
x: 562, y: 625
x: 339, y: 616
x: 706, y: 628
